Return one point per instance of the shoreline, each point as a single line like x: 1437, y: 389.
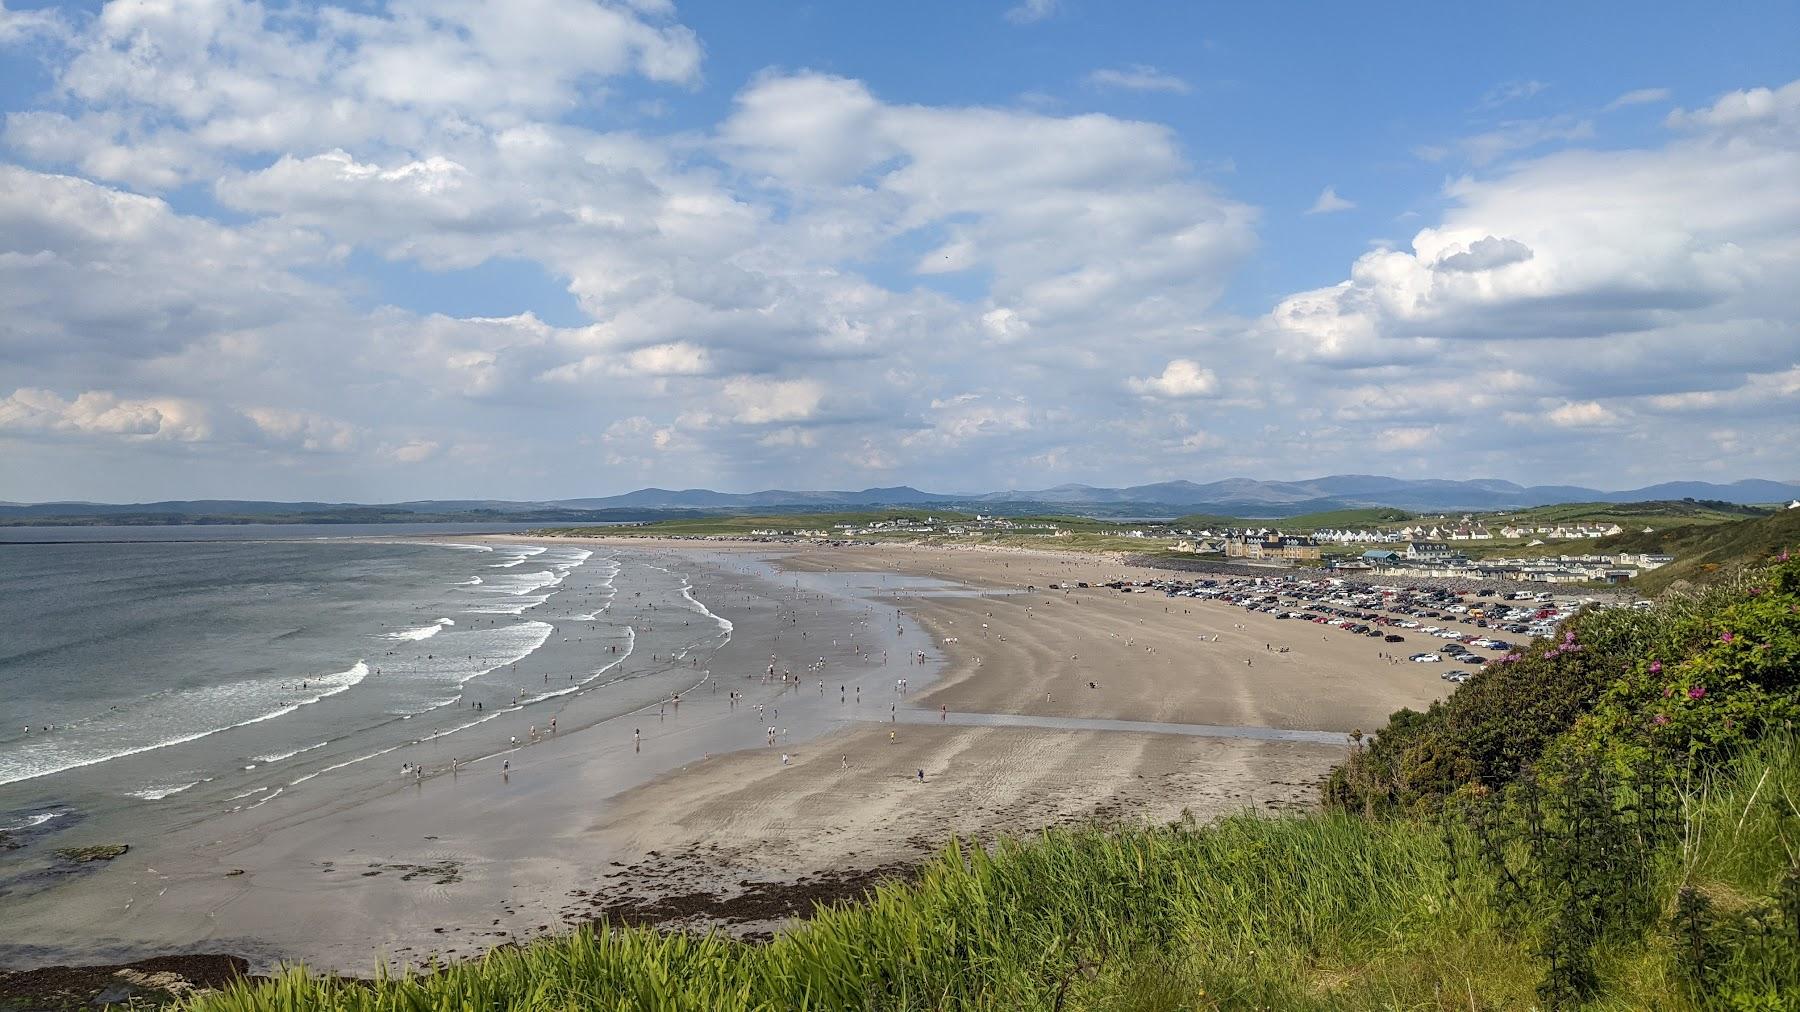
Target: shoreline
x: 737, y: 841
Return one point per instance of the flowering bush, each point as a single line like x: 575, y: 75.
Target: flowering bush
x: 1696, y: 677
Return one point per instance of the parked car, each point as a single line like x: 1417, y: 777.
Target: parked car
x: 1426, y: 658
x: 1394, y: 638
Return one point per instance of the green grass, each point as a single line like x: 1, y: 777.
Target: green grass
x: 1323, y: 911
x: 1657, y: 513
x: 1373, y: 517
x: 1706, y: 552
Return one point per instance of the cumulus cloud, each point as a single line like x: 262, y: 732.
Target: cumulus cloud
x: 1180, y: 378
x: 1556, y: 294
x: 1485, y: 254
x: 102, y: 412
x: 760, y: 401
x: 825, y: 284
x: 167, y: 92
x: 1581, y: 415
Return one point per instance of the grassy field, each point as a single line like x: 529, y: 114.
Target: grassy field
x: 1080, y: 534
x: 1630, y: 515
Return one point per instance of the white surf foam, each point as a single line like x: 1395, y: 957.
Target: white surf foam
x: 725, y: 626
x: 278, y: 756
x: 423, y: 632
x: 55, y: 754
x: 159, y: 793
x: 31, y: 821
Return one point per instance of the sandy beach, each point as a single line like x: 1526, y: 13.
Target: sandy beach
x: 687, y: 817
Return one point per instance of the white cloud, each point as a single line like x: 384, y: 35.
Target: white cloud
x: 414, y: 451
x: 1639, y: 96
x: 1406, y: 437
x: 1582, y: 414
x: 1573, y: 245
x: 1773, y: 107
x: 1329, y: 201
x: 761, y: 401
x: 103, y: 413
x: 185, y: 85
x: 1511, y: 91
x: 1180, y: 378
x: 1521, y: 135
x: 1003, y: 324
x: 1044, y: 285
x: 1030, y: 11
x: 1138, y: 77
x: 20, y: 26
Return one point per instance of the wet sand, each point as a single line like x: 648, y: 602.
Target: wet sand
x: 589, y: 822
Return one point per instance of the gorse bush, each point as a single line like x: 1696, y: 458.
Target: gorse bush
x: 1610, y: 819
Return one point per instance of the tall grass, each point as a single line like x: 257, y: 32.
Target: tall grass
x: 1322, y: 911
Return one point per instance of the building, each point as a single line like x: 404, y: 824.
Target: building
x: 1428, y: 551
x: 1292, y: 547
x: 1381, y: 556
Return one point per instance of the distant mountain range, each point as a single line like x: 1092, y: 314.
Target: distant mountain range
x: 1244, y: 497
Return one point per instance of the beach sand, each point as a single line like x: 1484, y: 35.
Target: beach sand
x: 1030, y: 653
x: 704, y: 816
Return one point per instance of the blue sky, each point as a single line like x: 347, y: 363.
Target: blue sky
x: 592, y: 245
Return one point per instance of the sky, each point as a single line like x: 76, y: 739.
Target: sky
x: 414, y: 249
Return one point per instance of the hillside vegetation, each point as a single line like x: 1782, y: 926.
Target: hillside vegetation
x: 1656, y: 513
x: 1609, y: 819
x: 1371, y: 517
x: 1706, y: 553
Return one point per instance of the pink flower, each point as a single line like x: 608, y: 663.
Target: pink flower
x: 1725, y: 637
x: 1697, y: 692
x: 1661, y: 718
x: 1784, y: 555
x: 1656, y: 667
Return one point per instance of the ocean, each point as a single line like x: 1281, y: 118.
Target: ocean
x: 140, y: 672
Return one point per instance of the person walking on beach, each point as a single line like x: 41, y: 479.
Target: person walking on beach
x: 921, y: 776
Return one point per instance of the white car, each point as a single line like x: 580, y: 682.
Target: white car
x: 1425, y: 658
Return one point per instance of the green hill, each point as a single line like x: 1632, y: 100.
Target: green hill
x: 1371, y: 517
x: 1706, y: 552
x: 1650, y: 513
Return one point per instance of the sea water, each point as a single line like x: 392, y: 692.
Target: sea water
x: 219, y: 673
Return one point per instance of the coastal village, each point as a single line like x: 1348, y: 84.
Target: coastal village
x: 1446, y: 548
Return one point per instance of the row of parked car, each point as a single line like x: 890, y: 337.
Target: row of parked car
x: 1386, y: 613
